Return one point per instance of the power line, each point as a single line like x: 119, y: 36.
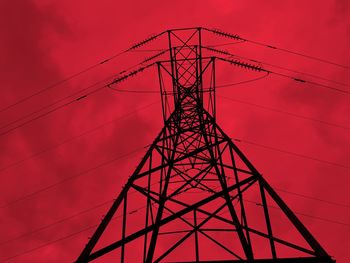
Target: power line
x: 244, y: 141
x: 81, y: 97
x: 231, y: 55
x: 258, y: 68
x: 54, y: 241
x: 69, y: 178
x: 243, y: 82
x: 323, y: 219
x: 313, y: 198
x: 66, y: 141
x: 50, y: 111
x: 227, y: 44
x: 236, y: 37
x: 52, y: 104
x: 133, y: 73
x: 50, y: 243
x: 66, y: 237
x: 217, y: 86
x: 253, y: 104
x: 124, y: 155
x: 77, y: 93
x: 285, y: 112
x: 62, y: 220
x: 72, y: 76
x: 147, y: 50
x: 296, y: 71
x: 299, y: 80
x: 302, y: 55
x: 128, y: 154
x: 61, y: 81
x: 304, y: 214
x: 95, y: 225
x: 101, y: 204
x: 293, y: 153
x: 136, y: 91
x: 89, y: 209
x: 86, y: 132
x: 134, y: 49
x: 312, y: 83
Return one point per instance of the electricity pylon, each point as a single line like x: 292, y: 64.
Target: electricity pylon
x: 195, y: 184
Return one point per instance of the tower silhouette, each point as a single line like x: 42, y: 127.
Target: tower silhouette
x: 194, y: 185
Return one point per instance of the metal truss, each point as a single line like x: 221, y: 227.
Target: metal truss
x: 196, y: 186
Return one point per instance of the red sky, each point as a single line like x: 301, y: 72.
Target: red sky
x: 42, y: 42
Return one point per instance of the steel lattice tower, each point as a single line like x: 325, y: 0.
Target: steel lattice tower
x: 195, y: 183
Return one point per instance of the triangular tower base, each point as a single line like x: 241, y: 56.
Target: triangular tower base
x: 195, y: 197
